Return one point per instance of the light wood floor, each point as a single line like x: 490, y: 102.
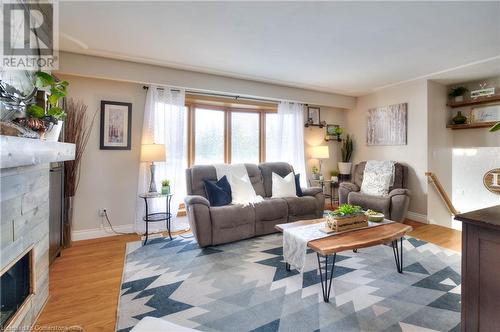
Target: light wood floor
x: 85, y: 280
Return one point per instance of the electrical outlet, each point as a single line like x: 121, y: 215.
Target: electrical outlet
x: 102, y: 212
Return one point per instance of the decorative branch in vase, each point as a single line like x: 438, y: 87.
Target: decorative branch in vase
x: 77, y: 129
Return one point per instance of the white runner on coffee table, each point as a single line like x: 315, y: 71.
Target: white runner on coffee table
x: 295, y: 240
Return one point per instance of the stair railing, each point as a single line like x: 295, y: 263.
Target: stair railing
x: 444, y: 196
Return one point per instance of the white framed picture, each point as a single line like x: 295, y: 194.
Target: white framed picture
x: 488, y: 113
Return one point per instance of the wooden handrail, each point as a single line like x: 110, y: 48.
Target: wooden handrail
x: 444, y: 196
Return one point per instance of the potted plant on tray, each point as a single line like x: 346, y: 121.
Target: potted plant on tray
x: 347, y: 148
x: 165, y: 187
x: 346, y: 217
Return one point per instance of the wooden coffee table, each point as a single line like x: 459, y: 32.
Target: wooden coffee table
x: 351, y: 240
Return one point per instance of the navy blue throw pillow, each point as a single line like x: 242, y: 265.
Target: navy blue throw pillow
x: 218, y: 193
x: 298, y: 189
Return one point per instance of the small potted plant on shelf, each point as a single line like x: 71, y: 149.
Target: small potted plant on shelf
x: 347, y: 148
x: 165, y: 187
x: 338, y: 132
x: 334, y: 176
x: 346, y: 217
x: 458, y: 93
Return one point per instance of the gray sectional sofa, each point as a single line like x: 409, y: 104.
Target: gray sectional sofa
x: 212, y: 225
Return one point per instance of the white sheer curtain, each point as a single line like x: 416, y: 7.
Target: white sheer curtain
x: 290, y: 142
x: 165, y: 122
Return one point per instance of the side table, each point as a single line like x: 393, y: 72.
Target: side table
x: 157, y: 216
x: 322, y: 184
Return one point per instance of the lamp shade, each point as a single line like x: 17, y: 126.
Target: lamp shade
x: 320, y: 152
x: 153, y: 152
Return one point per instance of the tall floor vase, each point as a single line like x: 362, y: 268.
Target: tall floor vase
x: 68, y: 221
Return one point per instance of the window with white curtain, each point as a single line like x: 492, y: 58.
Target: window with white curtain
x: 273, y: 138
x: 245, y: 137
x: 209, y: 136
x: 232, y: 135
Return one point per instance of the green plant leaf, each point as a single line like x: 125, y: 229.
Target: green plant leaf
x: 56, y: 112
x: 58, y: 92
x: 43, y: 79
x: 53, y: 100
x: 35, y: 111
x: 495, y: 127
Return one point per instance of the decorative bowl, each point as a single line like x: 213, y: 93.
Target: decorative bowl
x: 374, y: 216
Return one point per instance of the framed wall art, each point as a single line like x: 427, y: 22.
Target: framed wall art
x: 489, y: 113
x: 387, y: 125
x: 313, y: 116
x: 116, y: 125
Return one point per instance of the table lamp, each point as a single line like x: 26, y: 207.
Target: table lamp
x: 151, y: 153
x: 320, y: 152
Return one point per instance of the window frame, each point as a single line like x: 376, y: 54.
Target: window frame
x: 228, y: 110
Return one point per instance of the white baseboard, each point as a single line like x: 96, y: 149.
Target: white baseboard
x: 95, y: 233
x: 417, y: 217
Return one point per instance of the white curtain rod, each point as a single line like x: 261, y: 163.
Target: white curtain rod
x: 236, y: 97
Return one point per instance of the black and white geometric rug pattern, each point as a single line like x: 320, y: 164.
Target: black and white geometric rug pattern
x: 244, y: 286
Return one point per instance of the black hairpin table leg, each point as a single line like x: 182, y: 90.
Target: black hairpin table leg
x: 398, y: 254
x: 326, y: 283
x: 287, y: 266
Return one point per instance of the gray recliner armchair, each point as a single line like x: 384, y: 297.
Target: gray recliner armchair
x: 394, y: 206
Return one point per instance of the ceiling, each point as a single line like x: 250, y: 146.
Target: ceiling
x: 351, y: 48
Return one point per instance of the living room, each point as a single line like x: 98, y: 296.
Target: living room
x: 267, y: 166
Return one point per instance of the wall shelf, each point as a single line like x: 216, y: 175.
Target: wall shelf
x: 477, y: 101
x: 471, y: 125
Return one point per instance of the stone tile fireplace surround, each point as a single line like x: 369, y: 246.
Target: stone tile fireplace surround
x: 24, y: 221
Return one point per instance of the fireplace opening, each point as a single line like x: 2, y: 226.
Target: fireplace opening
x: 15, y: 288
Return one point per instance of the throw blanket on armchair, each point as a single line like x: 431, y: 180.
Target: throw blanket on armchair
x: 242, y: 190
x: 378, y: 177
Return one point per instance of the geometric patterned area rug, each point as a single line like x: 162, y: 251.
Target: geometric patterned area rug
x: 244, y: 286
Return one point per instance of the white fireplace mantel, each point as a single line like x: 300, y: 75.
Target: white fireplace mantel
x: 19, y: 151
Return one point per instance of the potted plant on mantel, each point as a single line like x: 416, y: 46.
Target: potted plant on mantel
x: 347, y: 148
x: 47, y: 121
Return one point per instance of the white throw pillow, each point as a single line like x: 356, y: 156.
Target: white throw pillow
x: 242, y: 190
x: 375, y: 184
x: 283, y: 187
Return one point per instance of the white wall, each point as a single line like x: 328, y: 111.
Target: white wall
x: 108, y: 177
x: 469, y: 167
x: 414, y: 154
x: 126, y: 71
x: 440, y: 143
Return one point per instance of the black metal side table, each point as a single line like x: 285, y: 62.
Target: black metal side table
x: 157, y: 216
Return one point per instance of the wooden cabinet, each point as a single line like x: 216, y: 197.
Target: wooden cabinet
x: 481, y: 270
